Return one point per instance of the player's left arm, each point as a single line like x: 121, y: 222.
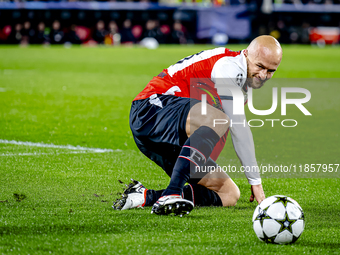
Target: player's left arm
x: 244, y: 147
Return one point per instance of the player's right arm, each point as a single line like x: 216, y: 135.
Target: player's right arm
x: 224, y: 75
x: 243, y: 143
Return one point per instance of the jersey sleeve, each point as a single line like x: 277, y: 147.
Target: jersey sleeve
x: 229, y: 74
x: 243, y: 143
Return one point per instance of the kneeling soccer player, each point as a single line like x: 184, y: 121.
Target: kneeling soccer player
x: 177, y: 131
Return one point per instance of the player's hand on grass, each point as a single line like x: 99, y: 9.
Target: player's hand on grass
x: 257, y: 193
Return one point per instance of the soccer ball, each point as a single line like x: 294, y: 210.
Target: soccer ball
x: 278, y: 219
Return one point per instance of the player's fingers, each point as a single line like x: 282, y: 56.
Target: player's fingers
x: 251, y: 199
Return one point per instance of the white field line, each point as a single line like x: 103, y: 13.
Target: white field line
x: 76, y: 149
x: 43, y: 153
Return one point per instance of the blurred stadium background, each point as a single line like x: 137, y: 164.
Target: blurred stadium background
x: 168, y: 21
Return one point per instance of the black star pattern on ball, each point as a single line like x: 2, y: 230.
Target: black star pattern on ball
x: 262, y: 216
x: 302, y: 216
x: 286, y: 224
x: 295, y: 238
x: 283, y: 200
x: 267, y: 239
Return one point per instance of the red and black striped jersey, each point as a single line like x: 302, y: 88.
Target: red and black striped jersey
x: 199, y: 72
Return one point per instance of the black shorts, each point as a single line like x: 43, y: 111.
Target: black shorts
x: 158, y: 127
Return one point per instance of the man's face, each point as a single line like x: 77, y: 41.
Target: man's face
x: 261, y: 66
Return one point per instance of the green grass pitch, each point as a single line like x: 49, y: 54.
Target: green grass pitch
x: 81, y: 97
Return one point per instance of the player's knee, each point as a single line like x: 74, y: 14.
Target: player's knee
x: 220, y: 122
x: 230, y: 198
x: 216, y: 120
x: 235, y: 196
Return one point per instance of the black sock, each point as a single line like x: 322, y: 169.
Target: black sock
x: 152, y: 196
x: 211, y: 197
x: 196, y: 193
x: 201, y: 196
x: 209, y: 166
x: 194, y: 153
x: 212, y: 163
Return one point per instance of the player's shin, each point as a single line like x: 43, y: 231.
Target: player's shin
x: 194, y: 154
